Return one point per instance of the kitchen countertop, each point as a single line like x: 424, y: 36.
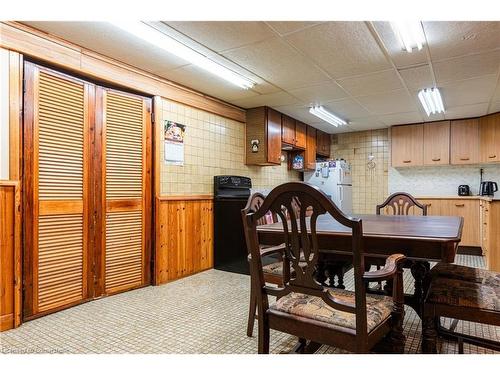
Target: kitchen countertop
x: 483, y: 198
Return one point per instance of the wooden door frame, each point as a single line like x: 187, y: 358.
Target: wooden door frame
x: 95, y: 285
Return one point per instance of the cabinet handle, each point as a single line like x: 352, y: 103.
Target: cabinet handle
x: 459, y: 205
x: 436, y: 159
x: 406, y: 161
x: 464, y: 158
x: 492, y: 156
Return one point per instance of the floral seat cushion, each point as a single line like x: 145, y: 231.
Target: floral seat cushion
x: 378, y: 308
x: 277, y: 268
x: 460, y: 293
x: 475, y: 275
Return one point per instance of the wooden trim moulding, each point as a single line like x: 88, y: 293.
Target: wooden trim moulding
x: 39, y: 45
x: 198, y: 197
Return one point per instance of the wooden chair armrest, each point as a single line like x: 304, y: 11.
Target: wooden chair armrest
x: 392, y: 264
x: 265, y: 251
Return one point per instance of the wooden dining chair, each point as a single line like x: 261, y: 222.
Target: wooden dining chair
x: 350, y: 320
x: 400, y: 203
x: 273, y: 272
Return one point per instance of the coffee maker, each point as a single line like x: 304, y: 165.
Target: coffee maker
x: 488, y: 188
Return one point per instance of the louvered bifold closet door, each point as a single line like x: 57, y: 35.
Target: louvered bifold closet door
x: 56, y: 162
x: 126, y: 176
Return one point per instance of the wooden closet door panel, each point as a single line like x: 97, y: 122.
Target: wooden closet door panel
x: 126, y: 180
x: 56, y: 242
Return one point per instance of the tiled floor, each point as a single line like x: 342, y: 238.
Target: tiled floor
x: 205, y: 313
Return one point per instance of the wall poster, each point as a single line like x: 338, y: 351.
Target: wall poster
x: 174, y: 142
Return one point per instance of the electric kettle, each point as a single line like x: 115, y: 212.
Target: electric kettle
x: 488, y: 188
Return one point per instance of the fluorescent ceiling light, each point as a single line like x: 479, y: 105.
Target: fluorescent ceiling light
x: 167, y: 43
x: 410, y: 34
x: 431, y: 100
x: 323, y: 114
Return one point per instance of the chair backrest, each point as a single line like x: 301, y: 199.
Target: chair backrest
x: 253, y: 204
x: 400, y: 204
x: 301, y: 241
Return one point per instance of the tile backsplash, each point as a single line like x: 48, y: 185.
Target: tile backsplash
x: 369, y: 181
x: 442, y: 180
x: 214, y: 145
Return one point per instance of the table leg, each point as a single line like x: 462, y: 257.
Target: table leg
x: 420, y: 271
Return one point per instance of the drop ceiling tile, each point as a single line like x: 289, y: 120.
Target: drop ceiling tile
x: 495, y: 107
x: 469, y: 91
x: 496, y: 95
x: 221, y: 36
x: 467, y: 66
x: 287, y: 27
x: 319, y: 93
x: 280, y: 98
x: 113, y: 42
x: 373, y: 83
x: 200, y: 80
x: 464, y: 111
x: 397, y: 101
x: 367, y: 123
x: 417, y: 78
x: 346, y: 109
x: 400, y: 57
x: 401, y: 118
x: 451, y: 39
x: 299, y: 112
x: 278, y: 63
x: 341, y: 48
x: 432, y: 116
x: 331, y: 129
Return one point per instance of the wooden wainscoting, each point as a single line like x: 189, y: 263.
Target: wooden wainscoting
x: 184, y: 236
x: 10, y: 255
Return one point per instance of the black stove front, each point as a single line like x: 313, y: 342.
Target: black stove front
x: 231, y: 194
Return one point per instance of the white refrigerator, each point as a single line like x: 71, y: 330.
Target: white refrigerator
x: 335, y: 180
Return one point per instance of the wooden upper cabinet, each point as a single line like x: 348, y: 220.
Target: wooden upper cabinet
x: 323, y: 143
x: 489, y: 138
x: 288, y: 130
x: 437, y: 143
x: 464, y: 141
x: 264, y: 126
x: 310, y: 153
x: 407, y: 145
x: 300, y: 134
x: 273, y: 136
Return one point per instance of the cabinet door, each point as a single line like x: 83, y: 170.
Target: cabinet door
x: 433, y: 207
x: 469, y: 210
x: 407, y: 145
x: 489, y: 134
x: 437, y: 143
x: 273, y: 136
x: 300, y: 134
x: 310, y: 154
x: 465, y: 141
x: 288, y: 130
x: 323, y: 143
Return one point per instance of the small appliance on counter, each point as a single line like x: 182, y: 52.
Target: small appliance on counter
x: 463, y: 190
x: 488, y: 188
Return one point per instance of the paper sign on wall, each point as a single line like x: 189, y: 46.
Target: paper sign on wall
x: 174, y: 142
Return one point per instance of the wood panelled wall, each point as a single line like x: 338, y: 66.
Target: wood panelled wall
x: 10, y: 255
x: 184, y: 236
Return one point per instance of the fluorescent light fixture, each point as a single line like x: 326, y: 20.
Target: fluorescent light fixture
x: 410, y: 34
x: 323, y: 114
x: 431, y: 100
x: 169, y: 44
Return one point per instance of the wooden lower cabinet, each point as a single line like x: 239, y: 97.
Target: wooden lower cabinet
x: 467, y: 208
x: 490, y: 214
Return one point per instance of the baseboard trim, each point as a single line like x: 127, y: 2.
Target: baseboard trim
x: 470, y: 250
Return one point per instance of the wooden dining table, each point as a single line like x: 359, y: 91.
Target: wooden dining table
x: 422, y: 239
